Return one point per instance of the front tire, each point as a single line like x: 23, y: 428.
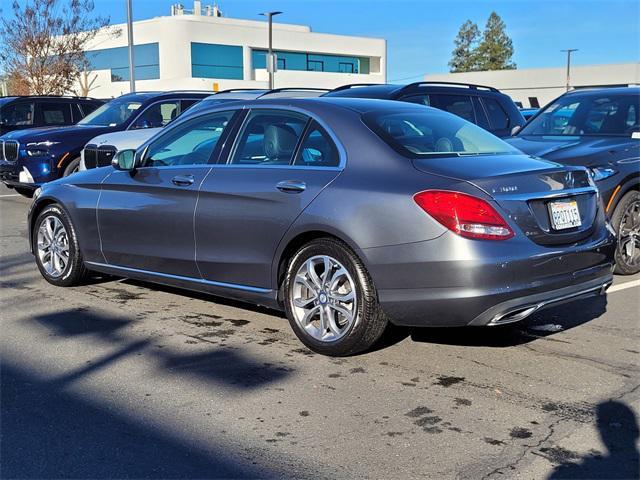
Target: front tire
x: 330, y: 299
x: 626, y: 221
x: 73, y: 167
x: 56, y: 247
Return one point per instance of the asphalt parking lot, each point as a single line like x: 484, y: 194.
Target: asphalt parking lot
x: 119, y: 379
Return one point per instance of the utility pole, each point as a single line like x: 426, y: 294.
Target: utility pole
x: 569, y: 50
x: 132, y: 73
x: 271, y: 65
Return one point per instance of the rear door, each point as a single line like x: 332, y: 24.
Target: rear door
x: 145, y: 217
x: 280, y: 162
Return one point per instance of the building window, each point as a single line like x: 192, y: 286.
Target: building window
x: 216, y: 61
x: 344, y: 67
x: 304, y: 61
x: 146, y: 62
x: 315, y: 65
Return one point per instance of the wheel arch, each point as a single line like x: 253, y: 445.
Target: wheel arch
x: 625, y: 187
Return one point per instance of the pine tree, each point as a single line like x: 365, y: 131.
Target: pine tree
x: 464, y: 57
x: 496, y: 48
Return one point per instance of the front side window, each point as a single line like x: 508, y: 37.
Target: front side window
x: 112, y: 114
x: 18, y: 114
x: 268, y: 138
x: 433, y: 133
x: 56, y: 113
x: 578, y: 115
x: 158, y: 115
x: 317, y: 149
x: 191, y: 143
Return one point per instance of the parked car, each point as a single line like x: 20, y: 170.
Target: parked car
x: 346, y: 213
x: 20, y: 113
x: 485, y: 106
x: 29, y: 158
x: 599, y: 129
x: 100, y: 150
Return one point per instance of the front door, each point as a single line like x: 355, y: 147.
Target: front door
x: 145, y: 217
x: 281, y: 161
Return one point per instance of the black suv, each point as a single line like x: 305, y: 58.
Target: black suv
x: 29, y: 158
x: 485, y: 106
x: 19, y: 113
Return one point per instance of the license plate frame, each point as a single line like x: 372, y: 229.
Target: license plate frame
x: 564, y: 214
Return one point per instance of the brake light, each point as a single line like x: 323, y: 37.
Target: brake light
x: 464, y: 214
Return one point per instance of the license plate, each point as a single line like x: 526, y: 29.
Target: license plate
x: 564, y: 215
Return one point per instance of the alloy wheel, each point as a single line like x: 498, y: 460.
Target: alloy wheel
x: 629, y: 235
x: 53, y: 246
x: 323, y: 297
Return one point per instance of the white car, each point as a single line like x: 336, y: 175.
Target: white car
x: 101, y: 149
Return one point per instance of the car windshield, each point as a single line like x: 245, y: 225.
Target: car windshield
x: 431, y: 132
x: 112, y: 114
x: 595, y: 115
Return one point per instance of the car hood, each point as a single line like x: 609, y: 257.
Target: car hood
x: 72, y: 134
x: 125, y: 140
x: 576, y: 150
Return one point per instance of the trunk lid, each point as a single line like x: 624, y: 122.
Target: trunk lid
x: 540, y: 197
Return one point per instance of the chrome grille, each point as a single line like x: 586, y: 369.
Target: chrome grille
x: 10, y: 150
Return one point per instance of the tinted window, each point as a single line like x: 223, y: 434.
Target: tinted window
x: 419, y: 99
x: 457, y: 104
x: 575, y: 115
x: 55, y: 113
x: 317, y: 150
x: 158, y: 115
x: 268, y: 138
x: 497, y: 115
x: 17, y: 114
x: 433, y: 133
x: 191, y: 143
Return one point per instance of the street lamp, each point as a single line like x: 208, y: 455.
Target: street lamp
x: 132, y: 76
x: 270, y: 63
x: 569, y: 50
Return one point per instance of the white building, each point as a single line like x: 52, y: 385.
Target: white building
x: 538, y: 86
x: 200, y: 49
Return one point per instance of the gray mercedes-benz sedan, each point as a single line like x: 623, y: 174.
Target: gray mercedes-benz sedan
x: 346, y: 213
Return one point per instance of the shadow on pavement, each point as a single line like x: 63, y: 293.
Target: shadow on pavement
x: 225, y: 368
x: 47, y: 433
x: 618, y: 428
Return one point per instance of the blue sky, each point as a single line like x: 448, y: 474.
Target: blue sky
x: 420, y: 33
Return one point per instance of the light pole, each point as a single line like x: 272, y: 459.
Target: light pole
x: 569, y: 50
x: 270, y: 63
x: 132, y: 75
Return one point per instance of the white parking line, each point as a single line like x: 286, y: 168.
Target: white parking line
x: 623, y: 286
x: 14, y: 195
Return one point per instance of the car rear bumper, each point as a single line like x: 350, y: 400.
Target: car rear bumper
x: 456, y: 287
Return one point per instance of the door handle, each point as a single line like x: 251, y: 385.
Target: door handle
x: 182, y: 180
x: 291, y: 186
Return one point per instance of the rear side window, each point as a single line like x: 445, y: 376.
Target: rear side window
x: 459, y: 105
x: 432, y: 133
x: 56, y: 113
x: 497, y: 115
x: 268, y: 138
x: 18, y: 114
x: 317, y: 149
x: 419, y: 99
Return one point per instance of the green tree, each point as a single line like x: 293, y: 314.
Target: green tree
x: 496, y: 48
x: 464, y: 57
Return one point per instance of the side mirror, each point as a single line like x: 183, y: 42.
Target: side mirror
x: 124, y: 160
x: 515, y: 130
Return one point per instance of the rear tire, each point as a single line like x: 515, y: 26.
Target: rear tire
x: 626, y: 222
x: 57, y: 251
x: 72, y: 167
x: 330, y: 299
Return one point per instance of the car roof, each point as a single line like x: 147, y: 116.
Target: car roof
x: 172, y: 94
x: 393, y: 91
x: 605, y: 90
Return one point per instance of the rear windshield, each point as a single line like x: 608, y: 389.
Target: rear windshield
x: 431, y: 132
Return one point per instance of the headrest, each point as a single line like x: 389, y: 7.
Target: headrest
x: 279, y: 141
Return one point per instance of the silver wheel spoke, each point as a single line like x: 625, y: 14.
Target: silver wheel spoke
x: 333, y: 324
x: 303, y: 302
x: 53, y: 246
x: 309, y: 314
x: 343, y: 298
x: 313, y: 276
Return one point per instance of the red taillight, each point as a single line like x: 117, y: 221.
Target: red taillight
x: 463, y: 214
